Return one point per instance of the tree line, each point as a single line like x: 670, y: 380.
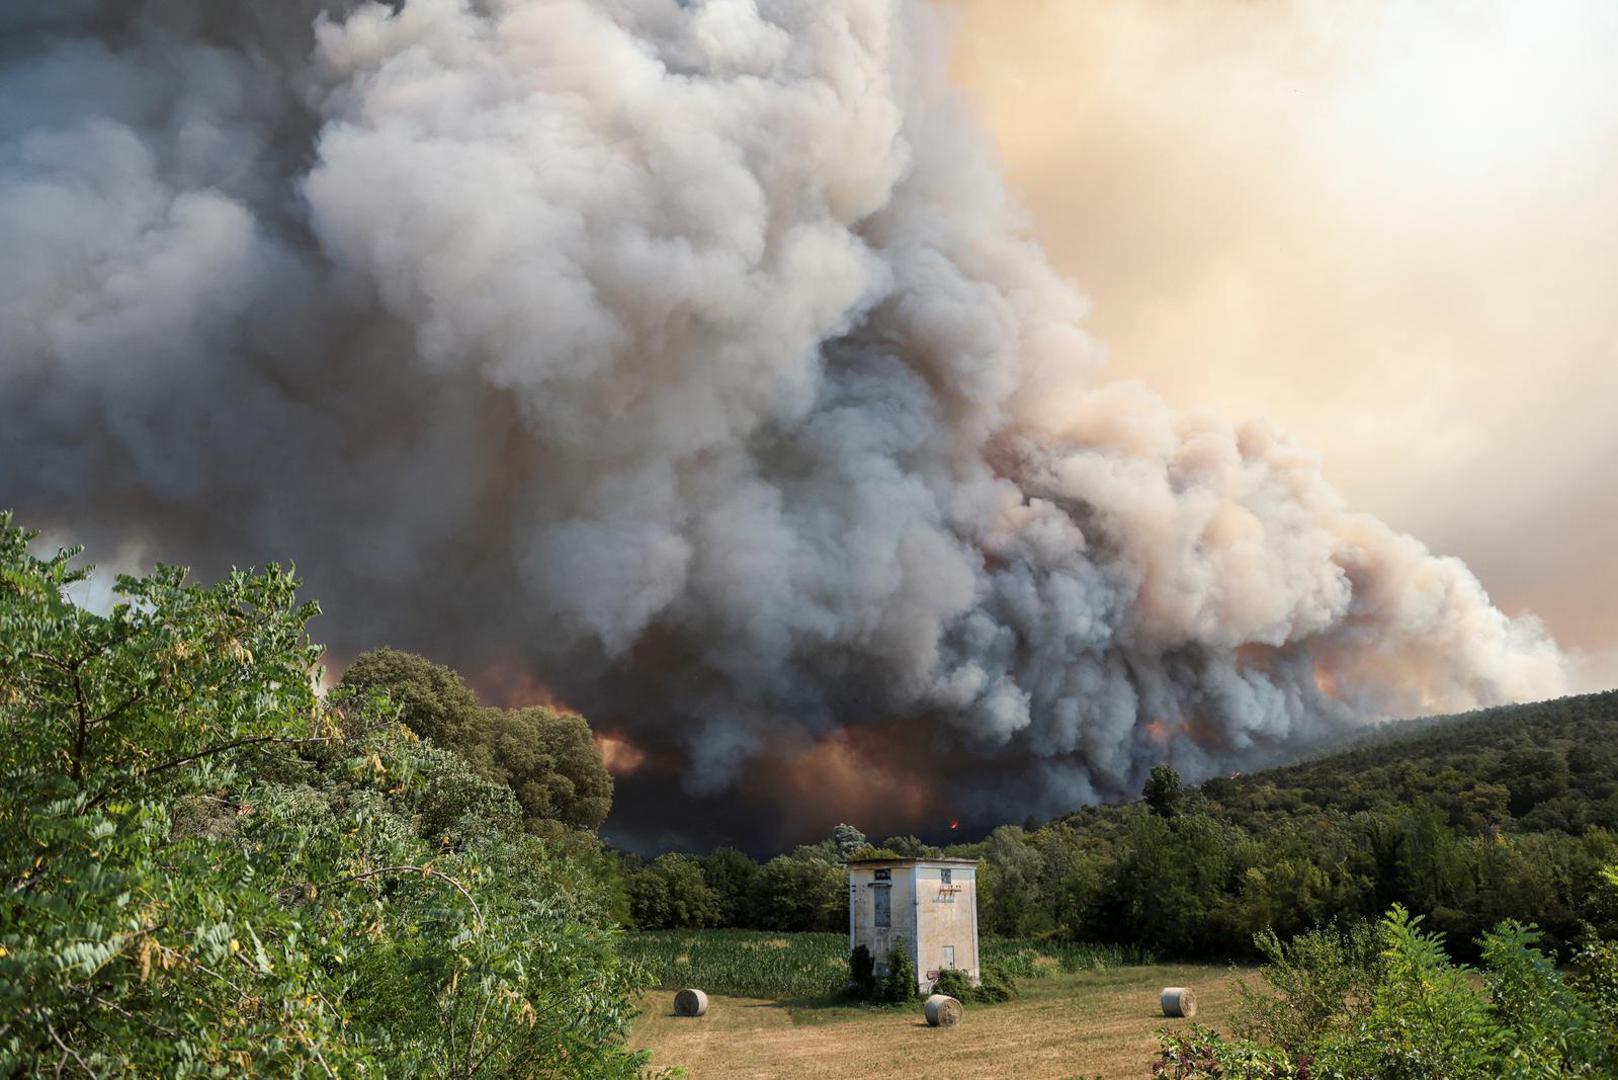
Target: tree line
x: 1508, y: 813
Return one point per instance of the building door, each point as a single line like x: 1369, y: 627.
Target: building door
x: 884, y: 906
x: 949, y: 956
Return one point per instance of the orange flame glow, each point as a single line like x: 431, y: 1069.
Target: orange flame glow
x: 510, y: 683
x: 1325, y: 681
x: 618, y: 754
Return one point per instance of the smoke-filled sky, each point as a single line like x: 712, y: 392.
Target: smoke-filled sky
x: 692, y: 363
x: 1391, y: 228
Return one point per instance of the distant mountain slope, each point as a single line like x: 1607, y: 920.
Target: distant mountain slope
x: 1547, y: 766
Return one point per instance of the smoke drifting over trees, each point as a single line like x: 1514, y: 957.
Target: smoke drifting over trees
x: 689, y: 359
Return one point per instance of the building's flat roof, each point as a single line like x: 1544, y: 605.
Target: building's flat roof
x: 914, y: 862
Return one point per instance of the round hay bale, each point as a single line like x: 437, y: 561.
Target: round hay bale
x: 689, y: 1002
x: 1179, y: 1001
x: 942, y: 1011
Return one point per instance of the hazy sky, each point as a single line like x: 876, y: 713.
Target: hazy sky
x: 1391, y: 229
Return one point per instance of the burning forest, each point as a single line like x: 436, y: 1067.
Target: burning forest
x: 687, y: 363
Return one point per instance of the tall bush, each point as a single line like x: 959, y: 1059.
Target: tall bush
x: 1412, y: 1015
x: 899, y: 984
x: 211, y: 870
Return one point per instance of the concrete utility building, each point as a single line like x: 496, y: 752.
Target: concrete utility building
x: 931, y: 905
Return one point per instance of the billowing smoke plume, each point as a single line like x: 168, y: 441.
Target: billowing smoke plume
x: 689, y: 359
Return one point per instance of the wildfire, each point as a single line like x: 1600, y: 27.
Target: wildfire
x: 618, y: 754
x: 1325, y: 682
x: 510, y: 683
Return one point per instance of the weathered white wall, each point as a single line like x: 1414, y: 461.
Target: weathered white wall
x: 925, y: 917
x: 862, y: 886
x: 945, y: 918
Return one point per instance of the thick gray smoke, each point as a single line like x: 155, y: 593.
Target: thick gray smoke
x: 689, y: 358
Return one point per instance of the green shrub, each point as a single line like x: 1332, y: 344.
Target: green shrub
x: 1551, y: 1030
x: 213, y: 871
x: 1019, y: 964
x: 900, y: 982
x: 1426, y: 1021
x: 994, y: 986
x: 1314, y: 984
x: 1203, y: 1054
x: 862, y: 972
x: 1412, y: 1014
x: 955, y: 983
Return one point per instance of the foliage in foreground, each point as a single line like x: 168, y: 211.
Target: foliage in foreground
x: 211, y: 871
x: 1402, y: 1010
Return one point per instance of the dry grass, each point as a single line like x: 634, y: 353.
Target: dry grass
x: 1093, y: 1023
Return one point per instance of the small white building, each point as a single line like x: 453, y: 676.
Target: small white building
x: 931, y: 905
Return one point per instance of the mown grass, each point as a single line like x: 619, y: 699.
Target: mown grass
x: 757, y: 964
x: 1092, y: 1023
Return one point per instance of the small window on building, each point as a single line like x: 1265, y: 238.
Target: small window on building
x: 884, y: 908
x: 884, y: 875
x: 945, y: 876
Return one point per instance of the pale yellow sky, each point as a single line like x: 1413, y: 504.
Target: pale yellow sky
x: 1390, y: 228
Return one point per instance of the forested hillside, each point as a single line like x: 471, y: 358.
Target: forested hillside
x: 1468, y: 820
x: 1551, y: 765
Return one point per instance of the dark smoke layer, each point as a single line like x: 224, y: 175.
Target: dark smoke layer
x: 690, y: 359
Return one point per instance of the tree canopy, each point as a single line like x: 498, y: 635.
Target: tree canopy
x: 546, y: 756
x: 212, y: 870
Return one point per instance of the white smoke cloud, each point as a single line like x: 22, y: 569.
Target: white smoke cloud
x: 694, y: 354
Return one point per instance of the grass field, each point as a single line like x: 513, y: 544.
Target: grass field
x: 750, y: 963
x: 1090, y: 1023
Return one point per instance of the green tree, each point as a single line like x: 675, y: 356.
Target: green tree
x: 672, y: 894
x: 433, y: 701
x: 800, y: 894
x: 899, y: 984
x: 910, y: 847
x: 1012, y: 898
x: 546, y: 756
x: 730, y: 874
x: 1163, y: 791
x: 549, y: 758
x: 650, y: 907
x: 848, y: 840
x: 1533, y: 776
x: 210, y: 870
x: 1172, y: 885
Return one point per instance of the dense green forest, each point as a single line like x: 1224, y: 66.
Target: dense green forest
x: 1507, y: 813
